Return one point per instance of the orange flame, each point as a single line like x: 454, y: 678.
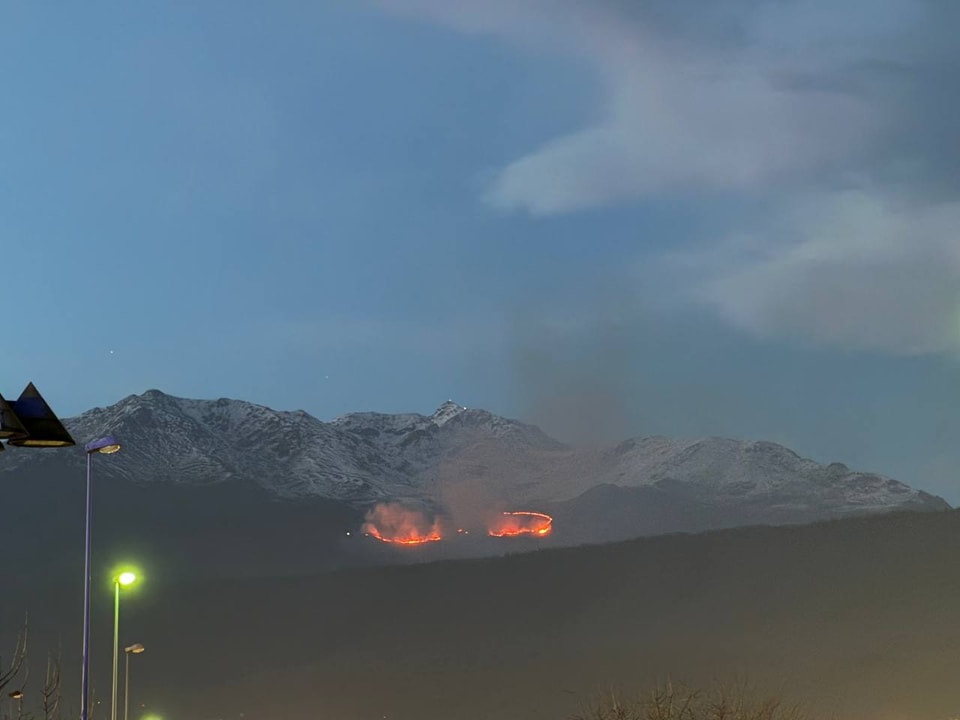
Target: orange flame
x: 522, y: 522
x: 393, y: 523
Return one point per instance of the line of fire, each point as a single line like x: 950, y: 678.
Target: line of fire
x: 396, y: 524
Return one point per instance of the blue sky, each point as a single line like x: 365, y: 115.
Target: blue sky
x: 610, y: 218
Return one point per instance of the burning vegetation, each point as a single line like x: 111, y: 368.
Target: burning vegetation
x: 397, y: 524
x: 394, y: 523
x: 522, y: 522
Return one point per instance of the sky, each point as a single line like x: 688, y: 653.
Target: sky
x: 610, y: 218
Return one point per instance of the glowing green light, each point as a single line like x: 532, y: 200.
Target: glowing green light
x: 127, y: 578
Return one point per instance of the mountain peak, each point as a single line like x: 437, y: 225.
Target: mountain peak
x: 446, y: 412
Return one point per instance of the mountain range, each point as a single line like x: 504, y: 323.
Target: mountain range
x: 466, y: 464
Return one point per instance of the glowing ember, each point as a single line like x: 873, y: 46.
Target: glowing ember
x: 393, y: 523
x: 514, y: 524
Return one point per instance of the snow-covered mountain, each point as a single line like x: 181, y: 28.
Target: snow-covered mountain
x: 720, y: 471
x: 455, y: 458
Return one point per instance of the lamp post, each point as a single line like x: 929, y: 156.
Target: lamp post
x: 123, y: 579
x: 134, y: 649
x: 106, y: 446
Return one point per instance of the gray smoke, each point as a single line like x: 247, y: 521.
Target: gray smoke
x: 576, y: 370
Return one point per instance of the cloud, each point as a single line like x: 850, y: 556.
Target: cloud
x: 685, y: 107
x: 855, y: 270
x: 687, y: 126
x: 836, y: 120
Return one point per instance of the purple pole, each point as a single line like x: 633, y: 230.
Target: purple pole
x: 85, y: 678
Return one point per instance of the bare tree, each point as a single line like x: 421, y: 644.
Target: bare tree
x: 677, y: 702
x: 51, y: 688
x: 92, y: 704
x: 9, y: 673
x: 22, y: 689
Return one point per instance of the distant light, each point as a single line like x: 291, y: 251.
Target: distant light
x: 127, y: 578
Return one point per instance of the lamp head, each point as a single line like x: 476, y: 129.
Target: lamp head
x: 43, y: 428
x: 126, y: 578
x: 134, y: 649
x: 105, y: 445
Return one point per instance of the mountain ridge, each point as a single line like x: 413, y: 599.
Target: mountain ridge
x: 462, y: 461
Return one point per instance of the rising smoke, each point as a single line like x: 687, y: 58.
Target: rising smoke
x: 576, y: 370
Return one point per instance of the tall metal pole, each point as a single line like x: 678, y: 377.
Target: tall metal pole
x: 85, y: 679
x: 116, y: 645
x: 126, y: 688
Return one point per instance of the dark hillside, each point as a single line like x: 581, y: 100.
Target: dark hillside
x: 858, y: 615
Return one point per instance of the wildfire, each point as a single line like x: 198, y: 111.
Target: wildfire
x: 522, y: 522
x: 394, y: 523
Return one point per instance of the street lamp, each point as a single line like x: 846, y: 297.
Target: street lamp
x: 28, y: 421
x: 106, y: 446
x: 124, y: 579
x: 134, y: 649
